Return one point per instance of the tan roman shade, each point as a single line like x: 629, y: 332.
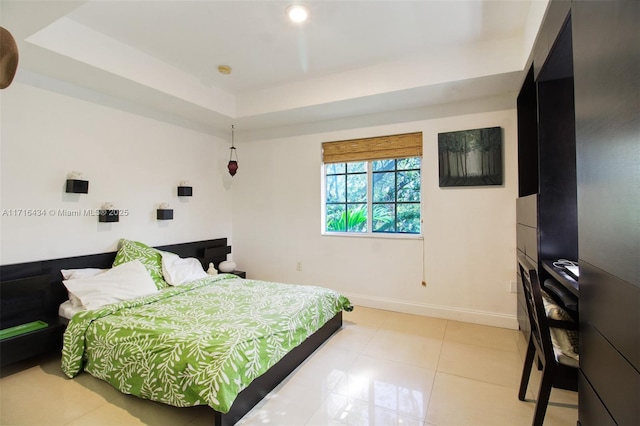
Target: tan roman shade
x: 378, y: 148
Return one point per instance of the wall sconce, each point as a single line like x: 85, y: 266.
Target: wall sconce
x: 164, y: 212
x: 108, y: 214
x: 76, y: 185
x: 184, y: 190
x: 233, y: 164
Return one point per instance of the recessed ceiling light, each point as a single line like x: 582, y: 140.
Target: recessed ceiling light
x: 297, y: 13
x: 224, y: 69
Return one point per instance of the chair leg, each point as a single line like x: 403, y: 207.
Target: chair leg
x: 526, y: 370
x: 543, y: 395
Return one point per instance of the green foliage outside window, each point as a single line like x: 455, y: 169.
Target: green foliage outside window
x: 394, y: 195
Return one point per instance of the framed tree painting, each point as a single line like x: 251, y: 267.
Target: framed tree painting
x: 470, y: 157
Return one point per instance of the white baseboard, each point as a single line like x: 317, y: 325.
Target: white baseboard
x: 436, y: 311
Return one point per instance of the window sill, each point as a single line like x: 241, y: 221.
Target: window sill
x: 375, y: 236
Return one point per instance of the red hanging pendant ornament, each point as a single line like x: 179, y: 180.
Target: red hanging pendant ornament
x: 233, y: 167
x: 233, y: 163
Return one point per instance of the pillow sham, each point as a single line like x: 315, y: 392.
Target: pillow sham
x: 123, y: 282
x: 148, y: 256
x: 72, y: 274
x: 178, y: 270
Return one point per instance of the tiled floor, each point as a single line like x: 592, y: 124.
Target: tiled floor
x: 382, y: 368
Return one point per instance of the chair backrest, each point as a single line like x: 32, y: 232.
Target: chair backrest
x: 535, y: 309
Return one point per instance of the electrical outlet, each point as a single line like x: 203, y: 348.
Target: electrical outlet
x: 299, y: 266
x: 512, y: 287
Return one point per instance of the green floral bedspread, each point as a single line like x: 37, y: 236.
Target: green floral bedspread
x: 197, y: 344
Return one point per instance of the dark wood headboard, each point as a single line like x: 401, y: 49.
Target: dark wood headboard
x: 33, y: 291
x: 206, y: 251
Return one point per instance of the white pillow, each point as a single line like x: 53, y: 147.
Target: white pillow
x: 123, y: 282
x: 72, y: 274
x: 178, y: 270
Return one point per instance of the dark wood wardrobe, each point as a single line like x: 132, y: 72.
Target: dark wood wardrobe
x: 579, y: 187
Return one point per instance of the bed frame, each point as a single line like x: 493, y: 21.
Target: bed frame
x: 23, y: 283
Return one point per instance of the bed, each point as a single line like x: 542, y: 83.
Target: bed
x: 221, y: 340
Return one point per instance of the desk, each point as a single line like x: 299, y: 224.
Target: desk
x: 561, y: 275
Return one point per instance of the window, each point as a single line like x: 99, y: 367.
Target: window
x: 377, y: 195
x: 396, y: 195
x: 346, y: 197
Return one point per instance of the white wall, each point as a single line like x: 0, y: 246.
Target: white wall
x: 467, y: 256
x: 130, y: 160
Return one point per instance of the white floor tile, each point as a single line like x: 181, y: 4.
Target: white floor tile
x: 382, y: 368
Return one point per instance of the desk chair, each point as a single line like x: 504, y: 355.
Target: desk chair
x: 558, y: 370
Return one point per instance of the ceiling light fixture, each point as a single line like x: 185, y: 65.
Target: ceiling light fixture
x: 297, y: 13
x: 224, y: 69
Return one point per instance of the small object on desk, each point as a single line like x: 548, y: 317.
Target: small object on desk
x: 573, y: 270
x: 569, y: 265
x: 558, y: 271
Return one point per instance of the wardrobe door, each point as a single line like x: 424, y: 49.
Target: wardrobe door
x: 606, y: 49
